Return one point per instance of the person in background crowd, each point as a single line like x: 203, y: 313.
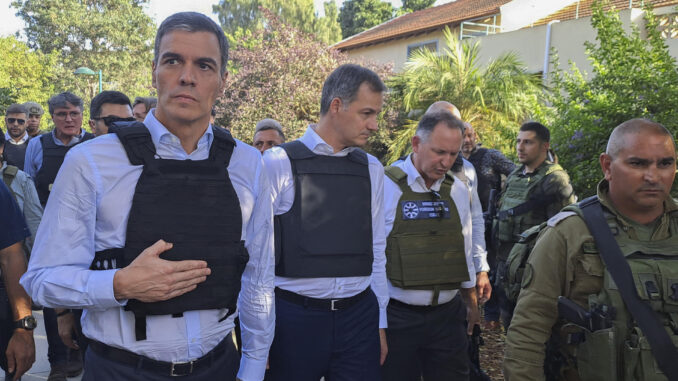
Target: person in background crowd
x: 268, y: 133
x: 107, y: 108
x: 16, y: 138
x: 35, y: 112
x: 141, y: 107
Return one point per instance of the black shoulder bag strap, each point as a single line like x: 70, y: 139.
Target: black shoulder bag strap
x: 662, y: 347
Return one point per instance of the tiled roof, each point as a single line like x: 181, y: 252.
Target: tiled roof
x: 571, y: 12
x: 423, y: 21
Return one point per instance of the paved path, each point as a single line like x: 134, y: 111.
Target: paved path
x: 40, y: 369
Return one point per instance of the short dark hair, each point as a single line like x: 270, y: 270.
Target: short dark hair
x: 344, y: 83
x: 192, y: 22
x: 17, y: 108
x: 60, y: 100
x: 148, y: 102
x: 108, y: 96
x: 539, y: 129
x: 431, y: 119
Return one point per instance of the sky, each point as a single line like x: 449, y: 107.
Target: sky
x: 157, y: 9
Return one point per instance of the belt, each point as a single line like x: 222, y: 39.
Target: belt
x: 160, y: 367
x: 414, y: 307
x: 321, y: 304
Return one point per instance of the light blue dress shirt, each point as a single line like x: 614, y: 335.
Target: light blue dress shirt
x: 34, y: 150
x: 88, y: 211
x: 280, y: 172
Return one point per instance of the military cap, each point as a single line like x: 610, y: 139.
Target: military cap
x: 34, y: 108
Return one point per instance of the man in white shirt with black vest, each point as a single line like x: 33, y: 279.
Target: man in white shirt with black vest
x: 331, y: 292
x: 160, y: 230
x: 430, y: 264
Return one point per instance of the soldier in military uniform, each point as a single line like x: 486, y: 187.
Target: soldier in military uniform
x: 639, y: 167
x: 534, y: 192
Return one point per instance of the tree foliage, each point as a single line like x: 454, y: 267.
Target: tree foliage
x: 114, y: 36
x: 25, y: 75
x: 359, y: 15
x: 237, y: 16
x: 416, y: 5
x: 281, y: 78
x: 632, y: 77
x: 495, y: 98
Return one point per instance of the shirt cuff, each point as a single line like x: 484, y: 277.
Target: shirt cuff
x: 468, y: 284
x: 251, y: 370
x: 480, y: 263
x: 383, y: 321
x: 100, y: 287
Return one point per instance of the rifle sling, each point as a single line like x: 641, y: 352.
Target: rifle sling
x: 660, y: 343
x: 531, y: 204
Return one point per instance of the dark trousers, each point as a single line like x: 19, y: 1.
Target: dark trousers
x: 338, y: 345
x: 98, y: 368
x: 505, y: 305
x: 57, y: 351
x: 428, y: 342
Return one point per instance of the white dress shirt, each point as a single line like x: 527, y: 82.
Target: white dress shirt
x: 460, y: 196
x: 280, y: 173
x: 470, y: 179
x: 88, y: 211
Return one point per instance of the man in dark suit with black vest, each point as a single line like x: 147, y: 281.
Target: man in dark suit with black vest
x: 331, y: 291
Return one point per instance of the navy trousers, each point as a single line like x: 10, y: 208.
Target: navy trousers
x: 427, y: 342
x: 98, y: 368
x: 338, y: 345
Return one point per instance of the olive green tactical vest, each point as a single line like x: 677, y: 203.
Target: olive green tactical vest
x: 518, y: 190
x: 425, y: 249
x: 622, y: 353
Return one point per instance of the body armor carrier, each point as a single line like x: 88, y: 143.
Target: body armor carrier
x: 328, y: 230
x: 425, y: 249
x: 523, y: 203
x: 15, y: 154
x: 52, y: 157
x: 193, y: 205
x: 622, y: 352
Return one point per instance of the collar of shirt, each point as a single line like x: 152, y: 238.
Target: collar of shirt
x: 168, y: 145
x: 12, y: 141
x: 414, y: 177
x: 74, y: 140
x: 315, y: 143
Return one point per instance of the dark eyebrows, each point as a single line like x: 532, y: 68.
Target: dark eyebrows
x: 172, y: 55
x: 166, y: 55
x: 207, y: 60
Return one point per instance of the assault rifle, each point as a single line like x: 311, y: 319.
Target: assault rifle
x: 599, y: 317
x: 489, y: 217
x: 475, y: 341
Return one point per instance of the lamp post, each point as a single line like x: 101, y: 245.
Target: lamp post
x: 87, y: 71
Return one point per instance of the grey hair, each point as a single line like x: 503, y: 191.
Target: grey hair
x: 62, y: 100
x: 269, y: 124
x: 192, y: 22
x: 431, y: 119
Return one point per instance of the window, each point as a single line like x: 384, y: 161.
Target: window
x: 430, y: 45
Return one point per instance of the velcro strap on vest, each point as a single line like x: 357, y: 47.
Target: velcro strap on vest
x: 531, y: 204
x: 136, y: 139
x: 297, y: 150
x: 222, y: 146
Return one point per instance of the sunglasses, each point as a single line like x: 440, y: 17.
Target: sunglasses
x: 20, y: 121
x: 108, y: 120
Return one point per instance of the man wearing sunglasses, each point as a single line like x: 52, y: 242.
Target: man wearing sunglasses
x: 107, y: 108
x: 16, y: 138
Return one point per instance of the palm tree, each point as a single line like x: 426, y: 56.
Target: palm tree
x: 495, y: 98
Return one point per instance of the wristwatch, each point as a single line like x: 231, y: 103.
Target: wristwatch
x: 28, y: 323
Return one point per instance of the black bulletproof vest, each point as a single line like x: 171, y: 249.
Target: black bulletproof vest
x: 191, y: 204
x: 15, y: 154
x: 328, y: 230
x: 52, y: 158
